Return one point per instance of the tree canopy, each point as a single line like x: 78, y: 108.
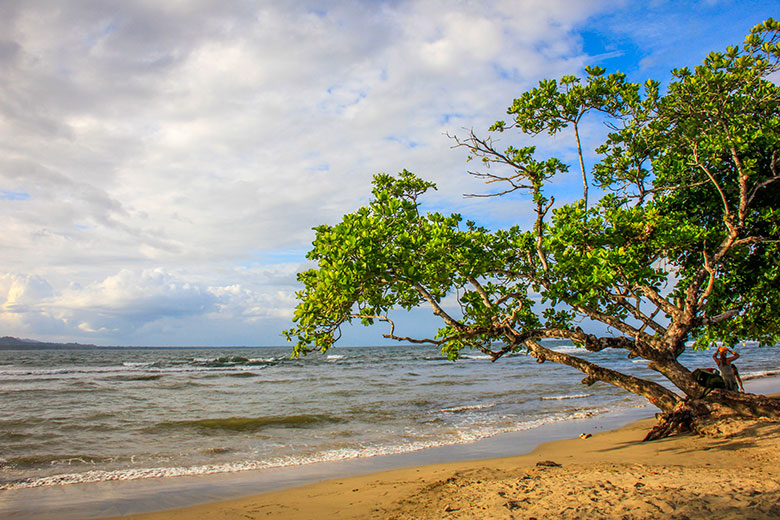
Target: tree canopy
x: 682, y: 245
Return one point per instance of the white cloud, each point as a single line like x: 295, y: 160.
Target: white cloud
x: 20, y: 293
x: 129, y: 304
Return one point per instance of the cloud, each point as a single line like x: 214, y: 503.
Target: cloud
x: 158, y: 159
x: 117, y: 304
x: 21, y: 305
x: 20, y: 293
x: 167, y: 124
x: 139, y: 295
x: 129, y: 304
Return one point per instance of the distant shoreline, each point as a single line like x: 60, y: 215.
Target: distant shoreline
x: 55, y: 346
x: 11, y: 343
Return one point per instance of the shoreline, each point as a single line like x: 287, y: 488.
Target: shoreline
x: 611, y: 474
x: 171, y: 497
x: 89, y: 501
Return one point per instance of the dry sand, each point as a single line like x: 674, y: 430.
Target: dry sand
x: 608, y: 475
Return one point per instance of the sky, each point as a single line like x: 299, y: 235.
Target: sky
x: 162, y: 163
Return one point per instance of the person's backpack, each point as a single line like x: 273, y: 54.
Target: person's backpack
x: 709, y: 380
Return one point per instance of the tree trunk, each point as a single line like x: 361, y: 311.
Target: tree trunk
x: 716, y: 413
x: 661, y: 397
x: 679, y: 375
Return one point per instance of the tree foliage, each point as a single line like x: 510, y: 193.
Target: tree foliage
x: 682, y: 245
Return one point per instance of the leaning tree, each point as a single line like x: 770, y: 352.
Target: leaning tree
x: 681, y: 247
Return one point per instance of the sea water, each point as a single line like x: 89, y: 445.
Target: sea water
x: 73, y: 416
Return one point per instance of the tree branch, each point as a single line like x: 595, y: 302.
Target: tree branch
x: 391, y: 334
x: 575, y: 124
x: 481, y: 291
x: 697, y: 162
x: 541, y: 212
x: 659, y: 301
x: 622, y: 300
x: 437, y: 310
x: 765, y: 182
x: 704, y: 320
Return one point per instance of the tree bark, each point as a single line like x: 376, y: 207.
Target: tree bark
x: 679, y: 375
x: 700, y: 412
x: 661, y: 397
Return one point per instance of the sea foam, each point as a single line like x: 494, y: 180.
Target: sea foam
x: 323, y: 456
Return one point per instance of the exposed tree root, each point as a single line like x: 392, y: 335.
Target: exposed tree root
x: 721, y: 414
x: 681, y: 419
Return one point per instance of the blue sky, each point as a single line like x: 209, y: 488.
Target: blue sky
x: 162, y: 163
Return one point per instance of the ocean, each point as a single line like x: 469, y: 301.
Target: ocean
x: 76, y: 416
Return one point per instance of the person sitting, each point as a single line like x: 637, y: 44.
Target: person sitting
x: 727, y: 372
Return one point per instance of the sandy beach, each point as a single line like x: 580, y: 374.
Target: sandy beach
x: 606, y: 475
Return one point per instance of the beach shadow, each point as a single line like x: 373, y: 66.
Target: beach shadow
x: 749, y: 436
x: 619, y: 446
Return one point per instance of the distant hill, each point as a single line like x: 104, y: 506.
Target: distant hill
x: 9, y: 343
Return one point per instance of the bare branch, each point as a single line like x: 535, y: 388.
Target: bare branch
x: 753, y: 240
x: 614, y: 322
x: 481, y: 291
x: 575, y: 123
x: 742, y: 176
x: 437, y: 310
x: 719, y: 318
x: 766, y: 182
x: 710, y: 281
x: 658, y: 300
x: 391, y: 334
x: 621, y: 298
x: 589, y: 342
x: 714, y: 182
x: 490, y: 155
x: 507, y: 297
x: 659, y: 189
x: 541, y: 212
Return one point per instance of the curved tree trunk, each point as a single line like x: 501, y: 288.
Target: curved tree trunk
x: 661, y: 397
x: 746, y: 405
x: 679, y: 375
x: 701, y: 412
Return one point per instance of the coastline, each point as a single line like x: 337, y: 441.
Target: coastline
x: 125, y: 497
x: 325, y: 490
x: 608, y: 475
